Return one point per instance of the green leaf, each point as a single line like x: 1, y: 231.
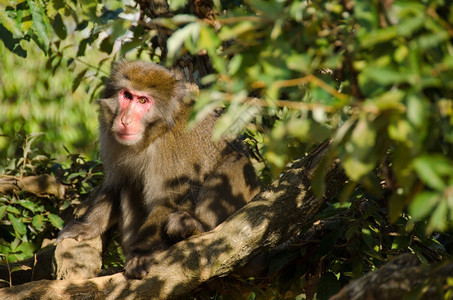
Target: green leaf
x: 387, y: 75
x: 40, y: 24
x: 370, y: 39
x: 38, y: 222
x: 10, y: 24
x: 351, y: 231
x: 369, y: 240
x: 269, y: 8
x: 20, y: 268
x: 59, y: 27
x: 13, y: 210
x: 11, y: 43
x: 438, y: 220
x: 18, y: 225
x: 301, y: 62
x: 3, y: 211
x: 107, y: 45
x: 89, y: 8
x: 359, y: 158
x: 78, y: 80
x: 233, y: 121
x: 26, y: 248
x: 432, y: 40
x: 396, y: 205
x: 402, y: 131
x: 431, y: 170
x: 28, y: 204
x: 423, y: 204
x: 409, y: 25
x: 82, y: 47
x: 177, y: 4
x: 120, y: 27
x: 190, y: 32
x: 328, y: 286
x: 56, y: 221
x: 208, y: 40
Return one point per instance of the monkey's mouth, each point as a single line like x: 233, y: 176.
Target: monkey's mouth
x: 127, y: 137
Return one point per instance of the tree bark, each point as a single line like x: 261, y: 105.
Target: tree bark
x: 42, y: 185
x: 397, y: 278
x: 273, y: 217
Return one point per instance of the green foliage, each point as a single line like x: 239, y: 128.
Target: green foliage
x: 27, y: 220
x: 37, y: 99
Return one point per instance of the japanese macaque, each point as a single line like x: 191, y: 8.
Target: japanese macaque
x: 163, y: 182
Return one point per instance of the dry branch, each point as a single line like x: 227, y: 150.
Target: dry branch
x: 272, y: 218
x: 42, y: 185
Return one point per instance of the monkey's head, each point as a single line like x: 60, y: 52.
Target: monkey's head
x: 139, y: 97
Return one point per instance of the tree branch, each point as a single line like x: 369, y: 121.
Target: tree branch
x: 42, y: 185
x: 395, y: 279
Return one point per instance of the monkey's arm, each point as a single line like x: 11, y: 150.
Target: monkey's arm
x: 100, y: 215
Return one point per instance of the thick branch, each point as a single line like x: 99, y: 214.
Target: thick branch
x: 42, y: 185
x: 396, y: 279
x: 272, y: 218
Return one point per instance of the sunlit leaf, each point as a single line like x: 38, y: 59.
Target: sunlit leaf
x: 10, y: 24
x: 438, y: 220
x: 432, y: 169
x: 13, y: 210
x: 233, y: 121
x: 182, y: 36
x: 3, y: 211
x: 41, y: 24
x: 89, y: 8
x: 18, y: 225
x: 20, y: 268
x: 28, y: 205
x: 208, y: 40
x: 423, y: 204
x: 359, y: 158
x: 417, y: 111
x: 38, y: 222
x: 176, y: 4
x: 56, y: 221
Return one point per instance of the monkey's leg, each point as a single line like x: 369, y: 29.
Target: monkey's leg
x: 100, y: 215
x: 149, y: 240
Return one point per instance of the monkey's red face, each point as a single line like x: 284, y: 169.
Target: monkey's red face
x: 129, y: 124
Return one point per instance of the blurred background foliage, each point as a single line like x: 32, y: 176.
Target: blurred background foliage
x: 375, y: 77
x: 37, y: 98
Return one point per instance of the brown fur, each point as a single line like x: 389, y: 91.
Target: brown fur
x: 173, y: 183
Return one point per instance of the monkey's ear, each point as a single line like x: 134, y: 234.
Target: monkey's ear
x: 178, y: 73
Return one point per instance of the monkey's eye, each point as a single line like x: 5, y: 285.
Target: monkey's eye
x: 142, y: 100
x: 127, y: 95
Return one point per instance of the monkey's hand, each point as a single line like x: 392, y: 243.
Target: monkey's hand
x: 77, y: 230
x: 138, y: 265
